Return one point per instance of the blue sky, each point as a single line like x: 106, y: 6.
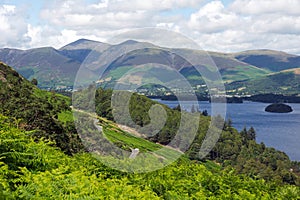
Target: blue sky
x: 218, y: 25
x: 33, y: 8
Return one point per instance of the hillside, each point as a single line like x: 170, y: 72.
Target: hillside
x: 34, y: 170
x: 286, y: 82
x: 230, y: 68
x: 46, y: 64
x: 233, y: 149
x: 274, y: 61
x: 36, y: 110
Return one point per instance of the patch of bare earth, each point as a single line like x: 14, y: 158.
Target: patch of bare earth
x: 2, y: 76
x: 297, y: 71
x: 130, y: 130
x: 136, y: 133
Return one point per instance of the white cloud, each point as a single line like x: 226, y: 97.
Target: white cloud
x: 47, y: 36
x: 213, y: 17
x: 236, y: 28
x: 257, y: 7
x: 153, y: 5
x: 245, y: 24
x: 69, y: 16
x: 13, y: 26
x: 277, y: 24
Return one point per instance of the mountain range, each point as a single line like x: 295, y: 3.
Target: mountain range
x: 248, y: 72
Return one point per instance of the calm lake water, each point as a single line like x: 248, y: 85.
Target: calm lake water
x: 278, y: 130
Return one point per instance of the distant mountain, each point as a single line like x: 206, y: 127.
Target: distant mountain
x: 274, y: 61
x: 57, y: 68
x: 84, y: 44
x: 48, y: 65
x: 230, y: 68
x: 80, y: 49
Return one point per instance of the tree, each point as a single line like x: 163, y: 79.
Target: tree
x: 251, y: 134
x: 204, y: 113
x: 34, y: 81
x: 178, y: 108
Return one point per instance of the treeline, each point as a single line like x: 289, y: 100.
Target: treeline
x: 274, y: 98
x: 237, y: 149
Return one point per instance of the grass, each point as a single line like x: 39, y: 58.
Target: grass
x: 128, y: 140
x: 119, y: 72
x: 282, y: 83
x: 243, y: 73
x: 65, y: 116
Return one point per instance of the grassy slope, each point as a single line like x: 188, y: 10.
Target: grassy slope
x: 284, y: 82
x: 128, y: 140
x: 125, y: 139
x: 271, y: 60
x: 239, y: 73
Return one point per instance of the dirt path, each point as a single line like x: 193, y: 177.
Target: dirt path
x: 130, y: 130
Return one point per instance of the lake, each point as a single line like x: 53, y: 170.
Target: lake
x: 278, y: 130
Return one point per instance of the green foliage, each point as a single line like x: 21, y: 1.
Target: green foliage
x: 36, y: 109
x: 240, y: 150
x: 34, y: 170
x: 65, y: 116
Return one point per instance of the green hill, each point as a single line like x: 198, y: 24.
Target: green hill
x: 233, y: 149
x: 35, y: 109
x: 285, y: 82
x: 46, y: 64
x: 274, y: 61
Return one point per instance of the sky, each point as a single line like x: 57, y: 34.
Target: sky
x: 216, y: 25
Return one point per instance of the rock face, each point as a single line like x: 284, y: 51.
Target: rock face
x: 279, y: 108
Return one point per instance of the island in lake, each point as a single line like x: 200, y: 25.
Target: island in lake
x: 278, y: 108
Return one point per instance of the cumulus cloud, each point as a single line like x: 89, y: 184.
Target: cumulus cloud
x: 213, y: 17
x: 13, y: 26
x: 96, y: 17
x: 48, y: 36
x: 258, y: 7
x: 248, y: 24
x: 241, y: 25
x: 153, y: 5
